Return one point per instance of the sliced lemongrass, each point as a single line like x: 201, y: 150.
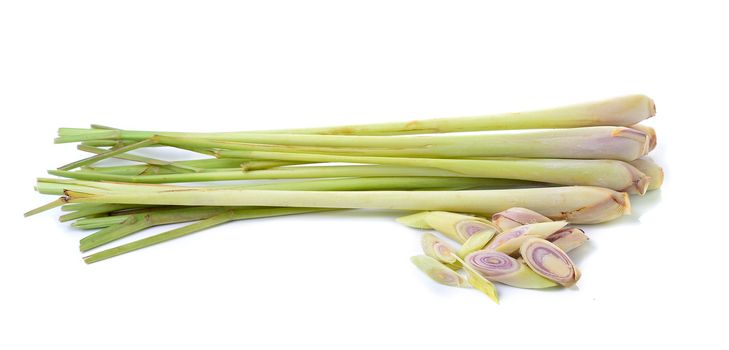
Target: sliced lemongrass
x: 476, y: 242
x: 514, y: 217
x: 652, y: 170
x: 549, y: 261
x: 613, y: 174
x: 509, y: 241
x: 437, y: 271
x: 568, y: 238
x: 435, y: 248
x: 479, y: 282
x: 500, y: 267
x: 458, y: 226
x: 578, y: 204
x: 416, y: 220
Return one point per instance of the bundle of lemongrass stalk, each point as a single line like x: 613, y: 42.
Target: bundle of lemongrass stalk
x: 577, y: 163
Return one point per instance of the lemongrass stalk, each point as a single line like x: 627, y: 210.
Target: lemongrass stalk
x: 578, y: 204
x: 477, y: 241
x: 612, y: 174
x: 265, y: 164
x: 508, y: 242
x: 98, y: 222
x: 621, y: 111
x: 108, y: 154
x: 141, y: 159
x: 458, y: 227
x: 549, y: 261
x: 435, y: 248
x: 437, y: 271
x: 568, y: 238
x: 652, y: 170
x: 304, y: 172
x: 229, y: 215
x: 139, y: 221
x: 514, y: 217
x: 99, y: 209
x: 603, y: 142
x: 500, y: 267
x: 650, y: 132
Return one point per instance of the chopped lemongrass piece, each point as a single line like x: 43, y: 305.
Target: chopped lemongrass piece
x: 416, y: 220
x: 437, y: 271
x: 479, y: 282
x: 514, y: 217
x: 476, y: 242
x: 501, y: 267
x: 437, y: 249
x: 568, y: 238
x: 458, y: 226
x: 509, y: 241
x: 549, y: 261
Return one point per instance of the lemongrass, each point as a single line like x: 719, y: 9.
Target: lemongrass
x: 514, y: 217
x: 500, y: 267
x: 622, y: 111
x: 458, y: 227
x: 435, y: 248
x: 303, y: 172
x: 509, y: 241
x: 613, y: 174
x: 650, y: 132
x: 652, y: 170
x: 416, y: 220
x: 437, y: 271
x: 603, y: 142
x: 549, y: 261
x: 226, y: 216
x: 568, y: 238
x: 477, y: 241
x: 578, y: 204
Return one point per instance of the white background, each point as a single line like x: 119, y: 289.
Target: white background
x: 343, y: 280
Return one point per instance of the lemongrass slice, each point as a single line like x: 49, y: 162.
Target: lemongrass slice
x: 509, y: 241
x: 416, y: 220
x: 500, y: 267
x: 476, y: 242
x: 458, y: 226
x: 516, y: 216
x: 568, y: 238
x: 547, y: 260
x: 435, y: 248
x: 650, y: 169
x: 480, y: 283
x: 437, y: 271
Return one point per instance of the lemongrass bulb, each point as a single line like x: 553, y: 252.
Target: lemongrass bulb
x: 435, y: 248
x: 458, y: 226
x: 547, y: 260
x: 652, y: 170
x: 650, y: 132
x: 500, y: 267
x: 516, y: 216
x: 568, y: 238
x: 509, y: 241
x: 476, y: 242
x: 438, y: 272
